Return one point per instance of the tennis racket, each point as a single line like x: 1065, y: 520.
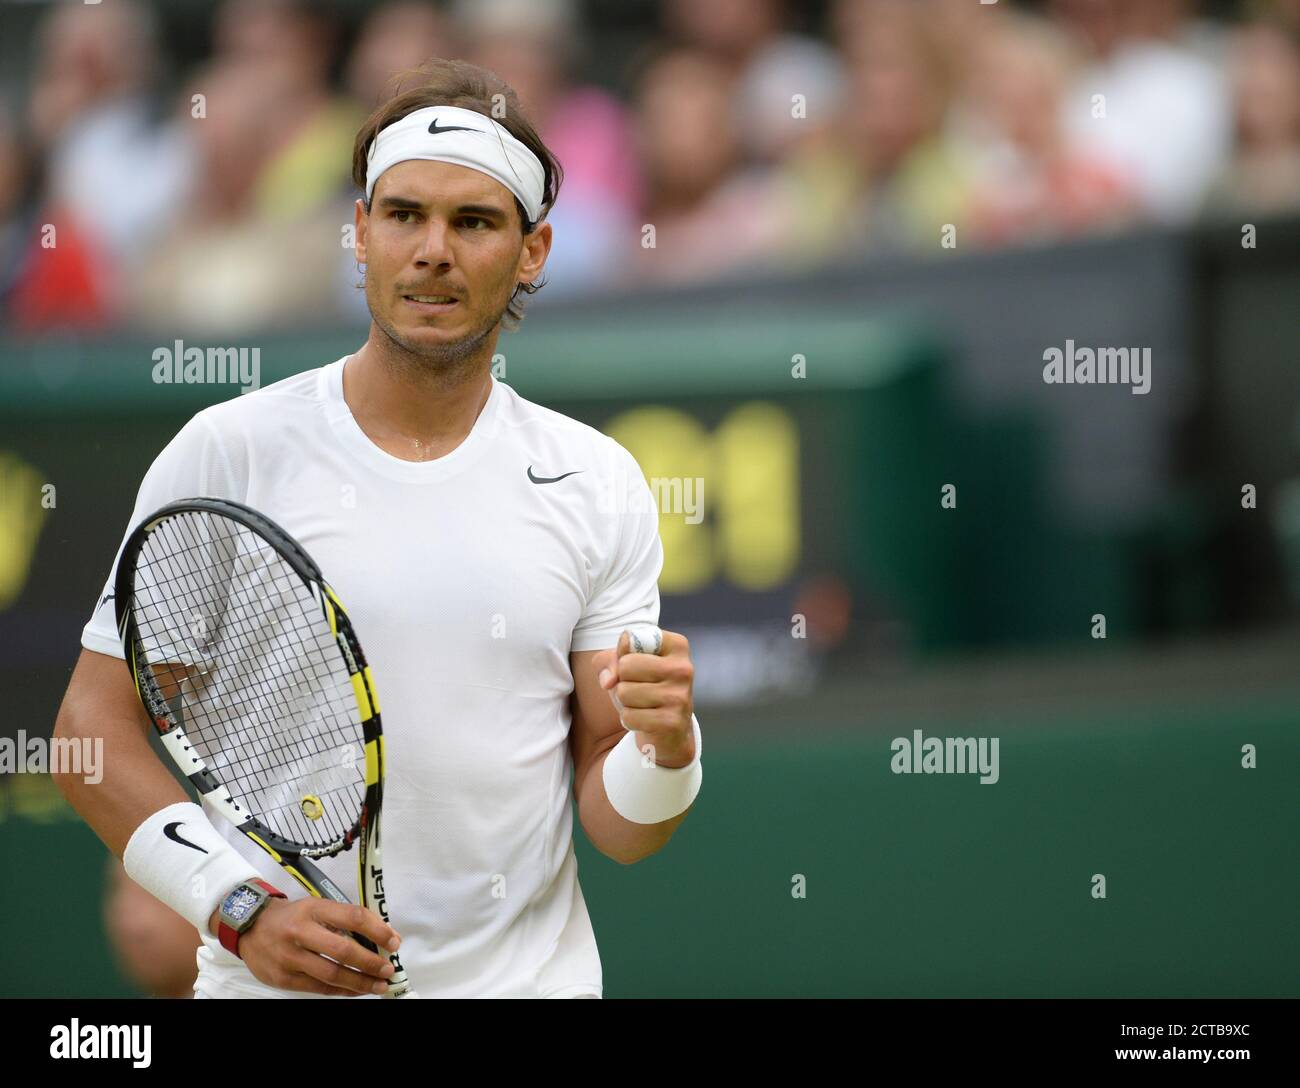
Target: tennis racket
x: 247, y: 664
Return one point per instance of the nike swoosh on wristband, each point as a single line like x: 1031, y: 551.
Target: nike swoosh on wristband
x: 550, y: 479
x: 171, y: 833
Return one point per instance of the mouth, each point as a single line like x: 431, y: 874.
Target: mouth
x: 432, y: 304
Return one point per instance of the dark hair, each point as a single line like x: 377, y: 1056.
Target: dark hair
x: 459, y: 83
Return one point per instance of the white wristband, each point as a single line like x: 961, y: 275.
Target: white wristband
x: 179, y: 858
x: 645, y: 793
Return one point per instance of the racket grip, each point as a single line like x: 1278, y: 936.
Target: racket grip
x: 399, y: 985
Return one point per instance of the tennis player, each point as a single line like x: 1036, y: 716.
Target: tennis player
x: 491, y: 552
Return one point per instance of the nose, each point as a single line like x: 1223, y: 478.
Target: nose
x: 434, y: 249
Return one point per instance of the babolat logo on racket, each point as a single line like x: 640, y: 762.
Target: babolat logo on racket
x: 381, y: 900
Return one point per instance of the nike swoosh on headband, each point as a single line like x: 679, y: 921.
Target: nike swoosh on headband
x: 550, y: 479
x: 435, y: 128
x: 171, y: 832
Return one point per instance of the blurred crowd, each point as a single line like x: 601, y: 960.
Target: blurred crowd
x: 219, y: 199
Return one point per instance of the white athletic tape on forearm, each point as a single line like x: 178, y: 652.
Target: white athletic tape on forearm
x: 651, y: 794
x: 192, y: 879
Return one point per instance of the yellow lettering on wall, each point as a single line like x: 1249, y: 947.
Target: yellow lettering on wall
x: 746, y: 472
x: 756, y: 451
x: 670, y: 444
x: 21, y: 517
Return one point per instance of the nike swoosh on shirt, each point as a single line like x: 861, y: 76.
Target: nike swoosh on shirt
x: 171, y: 832
x: 550, y: 479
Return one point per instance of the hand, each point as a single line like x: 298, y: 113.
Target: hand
x: 289, y: 940
x: 655, y: 694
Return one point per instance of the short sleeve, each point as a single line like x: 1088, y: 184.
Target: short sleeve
x: 193, y: 464
x: 626, y: 590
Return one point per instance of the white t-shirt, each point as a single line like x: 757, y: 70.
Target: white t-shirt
x: 468, y: 585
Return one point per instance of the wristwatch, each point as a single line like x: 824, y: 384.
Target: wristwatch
x: 240, y: 908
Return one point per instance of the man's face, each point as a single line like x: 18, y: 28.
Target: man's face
x: 444, y: 249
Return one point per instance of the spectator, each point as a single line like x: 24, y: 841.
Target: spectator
x: 769, y: 65
x: 708, y: 214
x: 958, y: 30
x: 891, y: 180
x: 1030, y: 182
x: 1166, y: 120
x: 1285, y: 14
x: 16, y: 211
x: 747, y: 145
x: 733, y: 33
x: 396, y: 37
x: 231, y: 267
x: 113, y: 173
x: 1175, y: 21
x: 63, y: 281
x: 286, y: 47
x: 532, y: 45
x: 1264, y: 175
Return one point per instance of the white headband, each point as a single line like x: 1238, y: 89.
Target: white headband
x: 466, y: 138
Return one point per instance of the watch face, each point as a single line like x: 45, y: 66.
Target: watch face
x: 239, y: 904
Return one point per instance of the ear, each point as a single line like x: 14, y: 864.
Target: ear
x: 362, y: 221
x: 536, y: 248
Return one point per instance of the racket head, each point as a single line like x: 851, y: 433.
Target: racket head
x: 247, y: 663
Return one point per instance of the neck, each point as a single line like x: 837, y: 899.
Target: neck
x: 413, y: 407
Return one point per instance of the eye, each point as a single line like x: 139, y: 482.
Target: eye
x: 402, y: 211
x: 473, y: 219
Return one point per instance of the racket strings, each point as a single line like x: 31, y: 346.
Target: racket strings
x: 305, y: 770
x: 290, y: 750
x: 241, y: 650
x: 299, y: 763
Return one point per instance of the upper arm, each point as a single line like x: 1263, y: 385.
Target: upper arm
x: 625, y: 588
x: 100, y: 694
x: 596, y: 728
x: 625, y: 591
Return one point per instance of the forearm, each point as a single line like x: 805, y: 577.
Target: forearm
x: 134, y: 804
x: 136, y: 787
x: 614, y: 836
